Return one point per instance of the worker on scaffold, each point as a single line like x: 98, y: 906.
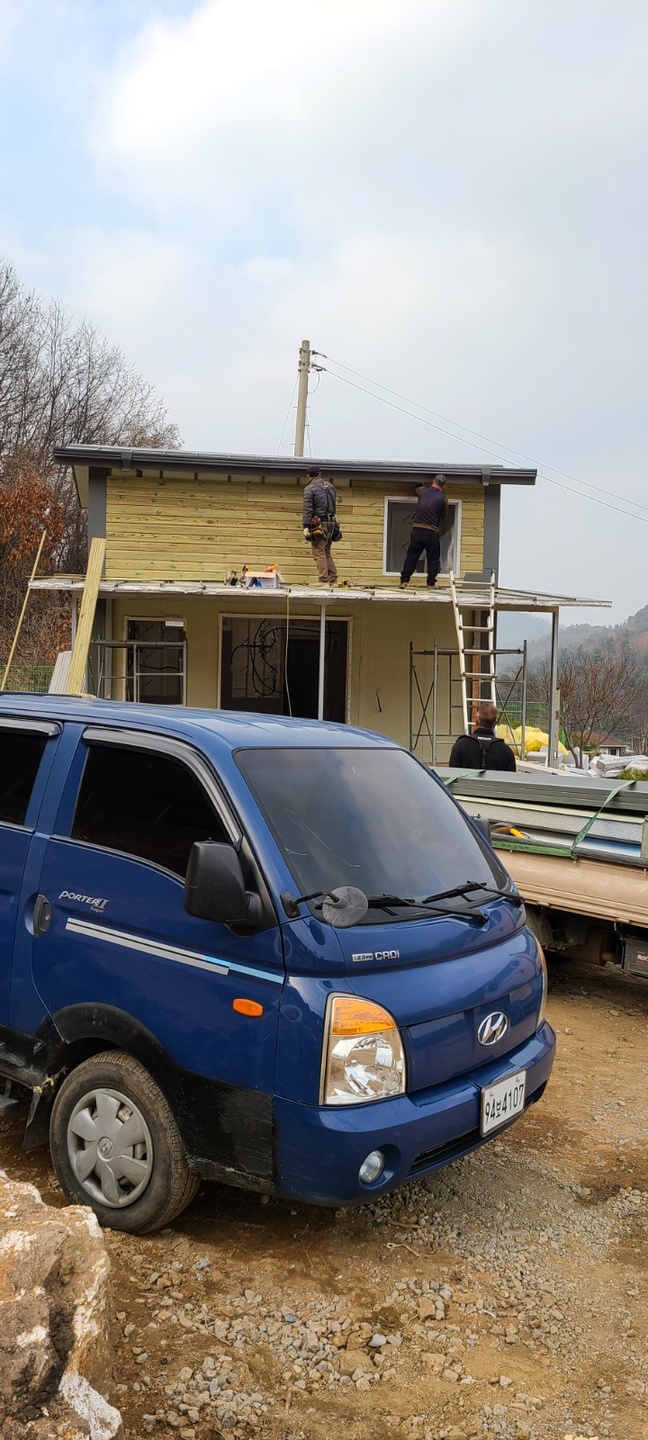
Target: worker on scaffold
x: 425, y: 535
x: 320, y: 523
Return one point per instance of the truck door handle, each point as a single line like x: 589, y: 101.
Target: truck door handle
x: 42, y: 915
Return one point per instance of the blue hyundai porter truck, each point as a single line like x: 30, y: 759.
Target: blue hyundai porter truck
x: 270, y: 952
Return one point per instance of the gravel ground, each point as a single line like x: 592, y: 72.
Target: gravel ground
x: 504, y: 1296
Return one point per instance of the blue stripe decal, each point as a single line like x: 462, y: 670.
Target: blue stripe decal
x: 258, y: 974
x: 81, y: 926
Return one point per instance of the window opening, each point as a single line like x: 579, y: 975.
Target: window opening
x: 20, y: 757
x: 149, y: 666
x: 144, y: 804
x: 254, y: 668
x: 399, y: 518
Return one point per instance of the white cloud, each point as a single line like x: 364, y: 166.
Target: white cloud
x: 239, y: 102
x: 129, y: 280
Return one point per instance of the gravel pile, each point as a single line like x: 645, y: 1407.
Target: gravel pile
x: 515, y: 1284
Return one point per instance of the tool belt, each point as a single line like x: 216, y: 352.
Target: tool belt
x: 324, y: 527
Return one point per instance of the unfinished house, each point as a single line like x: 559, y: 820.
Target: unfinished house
x: 168, y: 627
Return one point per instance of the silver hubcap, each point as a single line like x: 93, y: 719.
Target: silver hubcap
x: 110, y: 1148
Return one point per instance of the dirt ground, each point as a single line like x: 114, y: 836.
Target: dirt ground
x: 504, y: 1296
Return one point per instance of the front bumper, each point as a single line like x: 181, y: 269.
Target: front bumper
x: 319, y: 1149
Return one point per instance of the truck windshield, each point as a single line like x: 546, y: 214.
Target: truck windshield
x: 374, y: 818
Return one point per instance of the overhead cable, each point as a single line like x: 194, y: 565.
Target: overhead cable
x: 478, y: 435
x: 283, y: 428
x: 495, y: 455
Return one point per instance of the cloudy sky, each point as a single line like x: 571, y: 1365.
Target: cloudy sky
x: 445, y: 196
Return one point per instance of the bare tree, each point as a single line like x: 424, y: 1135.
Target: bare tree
x: 598, y: 691
x: 638, y: 716
x: 61, y: 383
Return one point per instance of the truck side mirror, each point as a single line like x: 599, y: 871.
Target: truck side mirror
x: 214, y: 885
x: 483, y: 824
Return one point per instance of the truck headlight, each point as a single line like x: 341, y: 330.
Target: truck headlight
x: 363, y: 1057
x: 543, y: 1001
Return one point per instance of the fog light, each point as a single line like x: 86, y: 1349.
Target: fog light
x: 372, y: 1167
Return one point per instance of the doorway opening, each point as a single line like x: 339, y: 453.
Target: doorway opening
x: 273, y: 669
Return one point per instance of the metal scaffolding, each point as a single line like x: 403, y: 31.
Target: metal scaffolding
x: 437, y: 696
x: 146, y: 670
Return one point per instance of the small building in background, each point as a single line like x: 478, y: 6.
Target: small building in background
x: 601, y: 744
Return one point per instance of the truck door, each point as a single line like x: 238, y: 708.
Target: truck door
x: 23, y: 744
x: 120, y: 938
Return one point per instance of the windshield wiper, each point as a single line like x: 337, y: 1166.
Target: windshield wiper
x: 469, y: 887
x: 391, y: 902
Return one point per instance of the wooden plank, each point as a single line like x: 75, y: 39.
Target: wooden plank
x: 22, y: 612
x: 59, y: 680
x: 76, y: 677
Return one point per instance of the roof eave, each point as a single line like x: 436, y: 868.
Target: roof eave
x: 123, y: 457
x: 471, y: 596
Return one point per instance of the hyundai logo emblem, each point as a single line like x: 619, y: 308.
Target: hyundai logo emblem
x: 493, y: 1028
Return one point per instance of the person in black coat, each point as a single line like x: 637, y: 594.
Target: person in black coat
x: 431, y: 508
x: 482, y: 750
x: 320, y: 523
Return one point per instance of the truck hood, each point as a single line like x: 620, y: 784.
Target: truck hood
x: 438, y: 978
x: 440, y: 995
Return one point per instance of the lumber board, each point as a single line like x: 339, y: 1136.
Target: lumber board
x: 76, y: 676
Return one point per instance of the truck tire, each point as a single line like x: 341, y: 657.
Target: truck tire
x: 116, y: 1147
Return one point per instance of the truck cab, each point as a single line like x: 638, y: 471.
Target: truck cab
x: 274, y: 953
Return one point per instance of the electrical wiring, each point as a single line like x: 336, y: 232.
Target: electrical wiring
x: 258, y: 652
x: 495, y: 455
x: 283, y: 428
x: 510, y: 450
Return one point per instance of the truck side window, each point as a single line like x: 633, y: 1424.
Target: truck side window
x: 144, y: 804
x: 20, y: 757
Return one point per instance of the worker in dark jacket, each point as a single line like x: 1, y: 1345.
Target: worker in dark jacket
x: 483, y: 750
x: 431, y: 507
x: 320, y: 523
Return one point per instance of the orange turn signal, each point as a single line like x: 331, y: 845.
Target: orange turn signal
x: 247, y: 1007
x: 352, y: 1016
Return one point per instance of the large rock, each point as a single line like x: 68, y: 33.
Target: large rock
x: 55, y: 1351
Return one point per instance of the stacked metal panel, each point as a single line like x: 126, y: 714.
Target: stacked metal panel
x: 558, y: 815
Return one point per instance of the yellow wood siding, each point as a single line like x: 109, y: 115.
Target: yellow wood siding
x: 379, y: 651
x: 198, y: 528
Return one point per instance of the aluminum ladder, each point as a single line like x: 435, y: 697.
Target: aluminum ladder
x: 476, y: 661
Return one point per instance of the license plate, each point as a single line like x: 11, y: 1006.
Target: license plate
x: 502, y: 1101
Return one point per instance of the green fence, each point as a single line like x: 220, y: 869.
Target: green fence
x: 537, y: 711
x: 30, y: 679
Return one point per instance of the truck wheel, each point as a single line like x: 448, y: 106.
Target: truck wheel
x: 116, y: 1146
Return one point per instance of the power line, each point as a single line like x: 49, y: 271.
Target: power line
x: 283, y: 431
x: 509, y: 448
x: 494, y: 454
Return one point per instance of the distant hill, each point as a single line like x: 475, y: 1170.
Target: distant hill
x: 633, y: 631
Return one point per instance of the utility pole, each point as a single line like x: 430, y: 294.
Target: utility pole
x: 303, y: 370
